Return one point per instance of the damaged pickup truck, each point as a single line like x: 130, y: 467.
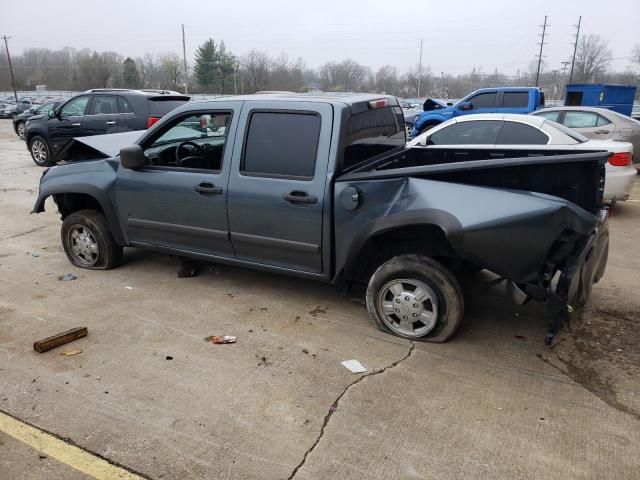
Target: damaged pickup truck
x: 323, y: 187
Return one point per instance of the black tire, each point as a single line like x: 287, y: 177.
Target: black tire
x: 20, y: 125
x: 88, y: 242
x: 40, y: 151
x: 428, y: 126
x: 448, y: 308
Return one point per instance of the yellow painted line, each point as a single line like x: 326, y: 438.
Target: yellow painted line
x: 70, y: 455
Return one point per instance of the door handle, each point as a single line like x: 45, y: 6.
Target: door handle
x: 206, y: 188
x: 75, y: 124
x: 111, y: 123
x: 602, y: 131
x: 300, y: 198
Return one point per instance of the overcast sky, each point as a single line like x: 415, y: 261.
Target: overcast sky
x: 458, y: 35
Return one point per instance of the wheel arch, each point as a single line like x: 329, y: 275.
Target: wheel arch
x: 86, y: 197
x: 430, y: 232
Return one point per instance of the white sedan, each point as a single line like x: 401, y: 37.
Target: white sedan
x: 511, y: 131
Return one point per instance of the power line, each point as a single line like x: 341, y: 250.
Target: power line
x: 13, y: 82
x: 544, y: 31
x: 575, y: 47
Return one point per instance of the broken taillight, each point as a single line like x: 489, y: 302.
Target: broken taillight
x: 151, y: 121
x: 620, y: 159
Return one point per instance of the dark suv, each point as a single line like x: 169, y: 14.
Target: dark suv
x: 96, y: 112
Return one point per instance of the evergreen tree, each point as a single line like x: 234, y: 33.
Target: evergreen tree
x: 130, y: 74
x: 206, y: 56
x: 214, y: 67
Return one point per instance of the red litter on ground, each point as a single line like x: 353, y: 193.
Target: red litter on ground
x: 220, y: 340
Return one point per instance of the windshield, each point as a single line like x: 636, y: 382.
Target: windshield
x: 578, y: 137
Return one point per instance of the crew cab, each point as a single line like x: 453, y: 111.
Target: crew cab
x: 322, y: 186
x: 486, y: 100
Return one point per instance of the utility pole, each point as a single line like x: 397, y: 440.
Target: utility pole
x: 184, y: 57
x: 420, y: 69
x: 565, y: 65
x: 13, y: 82
x: 575, y: 47
x: 235, y: 83
x: 544, y: 31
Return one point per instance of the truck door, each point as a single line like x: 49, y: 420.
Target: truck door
x: 179, y: 201
x: 277, y: 184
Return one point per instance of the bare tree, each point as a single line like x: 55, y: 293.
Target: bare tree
x: 256, y: 64
x: 635, y: 56
x: 592, y: 57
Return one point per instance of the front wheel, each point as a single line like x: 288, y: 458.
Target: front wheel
x: 40, y: 151
x: 20, y: 129
x: 88, y: 242
x: 415, y: 297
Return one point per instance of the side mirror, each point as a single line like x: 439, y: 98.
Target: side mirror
x: 465, y: 106
x: 132, y: 157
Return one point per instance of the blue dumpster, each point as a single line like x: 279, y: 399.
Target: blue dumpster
x: 618, y: 98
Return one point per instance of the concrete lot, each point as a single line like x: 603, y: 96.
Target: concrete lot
x: 493, y: 403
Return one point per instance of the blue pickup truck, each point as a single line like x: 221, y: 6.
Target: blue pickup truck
x: 486, y: 100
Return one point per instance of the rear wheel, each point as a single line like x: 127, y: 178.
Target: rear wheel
x: 88, y: 242
x: 415, y: 297
x: 40, y: 151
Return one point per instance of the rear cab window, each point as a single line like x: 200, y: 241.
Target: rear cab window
x: 371, y: 132
x: 281, y: 145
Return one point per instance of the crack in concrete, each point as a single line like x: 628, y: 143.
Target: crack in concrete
x: 334, y: 406
x: 24, y: 233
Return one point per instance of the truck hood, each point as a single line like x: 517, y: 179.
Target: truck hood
x: 100, y: 146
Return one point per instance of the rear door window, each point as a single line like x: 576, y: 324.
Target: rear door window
x: 476, y: 132
x: 124, y: 106
x: 578, y: 119
x: 515, y: 99
x: 516, y: 133
x: 103, y: 105
x: 281, y: 145
x: 483, y: 100
x: 602, y: 121
x: 549, y: 115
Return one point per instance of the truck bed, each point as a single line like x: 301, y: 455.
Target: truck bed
x: 576, y: 177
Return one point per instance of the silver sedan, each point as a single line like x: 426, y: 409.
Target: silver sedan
x: 597, y: 123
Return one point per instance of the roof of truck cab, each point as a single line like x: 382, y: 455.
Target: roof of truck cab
x: 322, y: 97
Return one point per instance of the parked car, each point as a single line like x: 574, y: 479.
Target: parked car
x: 15, y: 109
x: 597, y: 123
x: 20, y: 122
x: 96, y: 112
x: 485, y: 100
x: 321, y: 186
x: 514, y: 132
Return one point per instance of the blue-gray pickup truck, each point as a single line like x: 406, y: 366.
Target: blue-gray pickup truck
x: 322, y: 187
